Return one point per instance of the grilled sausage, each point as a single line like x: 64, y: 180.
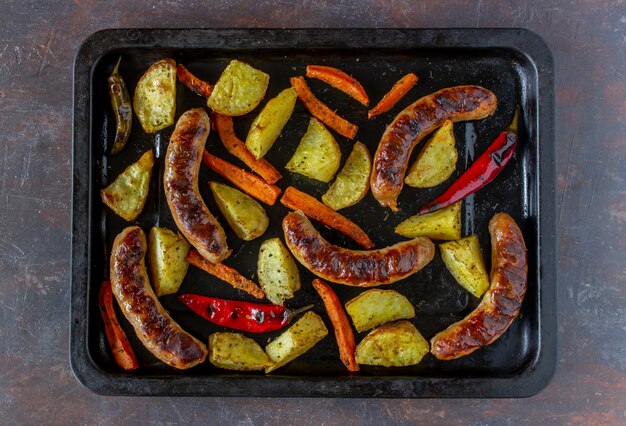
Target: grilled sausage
x: 500, y: 304
x: 361, y: 268
x: 180, y: 180
x: 413, y: 124
x: 158, y: 332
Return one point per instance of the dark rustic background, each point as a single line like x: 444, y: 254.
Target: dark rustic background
x: 38, y: 41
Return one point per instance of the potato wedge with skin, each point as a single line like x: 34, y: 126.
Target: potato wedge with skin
x: 239, y: 89
x: 244, y: 215
x: 353, y: 181
x: 167, y: 266
x: 127, y: 194
x: 296, y: 340
x: 443, y: 224
x: 267, y: 126
x: 437, y: 160
x: 397, y: 344
x: 318, y: 154
x: 234, y: 351
x: 376, y: 307
x: 154, y: 100
x: 464, y: 260
x: 277, y: 271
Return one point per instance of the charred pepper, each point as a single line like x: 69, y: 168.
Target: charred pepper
x: 122, y: 109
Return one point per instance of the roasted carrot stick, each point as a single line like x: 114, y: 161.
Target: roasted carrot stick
x: 396, y: 93
x: 249, y: 183
x: 197, y: 86
x: 225, y: 273
x: 298, y: 200
x: 339, y: 80
x: 321, y: 111
x: 224, y: 126
x: 343, y: 330
x: 121, y: 349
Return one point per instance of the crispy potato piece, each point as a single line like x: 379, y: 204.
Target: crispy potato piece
x: 397, y: 344
x: 267, y: 126
x: 244, y: 215
x: 353, y: 181
x: 437, y: 160
x: 298, y: 339
x: 444, y: 224
x: 234, y: 351
x: 239, y: 89
x: 376, y: 307
x: 318, y: 154
x: 154, y: 101
x: 464, y: 260
x: 127, y: 194
x: 167, y: 252
x: 277, y: 271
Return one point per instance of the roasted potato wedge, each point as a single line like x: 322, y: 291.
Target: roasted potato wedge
x: 396, y: 344
x: 443, y: 224
x: 375, y: 307
x: 234, y: 351
x: 167, y: 252
x: 464, y: 260
x: 277, y: 271
x: 437, y: 160
x: 154, y: 101
x: 239, y: 89
x: 244, y: 215
x: 318, y: 154
x: 127, y: 194
x: 267, y: 126
x: 353, y: 181
x: 296, y: 340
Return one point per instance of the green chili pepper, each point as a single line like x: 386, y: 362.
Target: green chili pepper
x: 122, y: 108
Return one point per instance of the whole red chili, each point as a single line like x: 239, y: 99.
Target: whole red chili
x: 482, y: 171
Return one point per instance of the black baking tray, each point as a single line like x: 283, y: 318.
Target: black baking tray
x: 516, y: 64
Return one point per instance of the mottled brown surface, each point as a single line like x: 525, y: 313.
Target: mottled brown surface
x: 38, y: 41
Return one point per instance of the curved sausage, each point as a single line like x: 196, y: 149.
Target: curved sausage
x: 500, y: 304
x: 180, y: 180
x: 361, y: 268
x: 413, y: 124
x: 158, y: 332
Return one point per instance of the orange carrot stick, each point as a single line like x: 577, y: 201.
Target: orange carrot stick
x: 343, y: 330
x: 396, y: 93
x: 224, y: 126
x: 321, y: 111
x: 197, y: 86
x: 298, y: 200
x: 225, y: 273
x: 121, y: 349
x: 249, y: 183
x: 339, y: 80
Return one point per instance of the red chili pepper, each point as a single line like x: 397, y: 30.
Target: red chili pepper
x: 244, y: 316
x: 482, y: 171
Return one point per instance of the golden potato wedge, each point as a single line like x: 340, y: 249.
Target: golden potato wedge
x: 296, y: 340
x: 277, y: 271
x: 443, y: 224
x: 318, y: 154
x: 154, y: 100
x: 376, y: 307
x: 396, y: 344
x: 267, y: 126
x: 464, y: 260
x: 239, y: 89
x: 167, y: 252
x: 244, y: 215
x: 437, y: 160
x: 353, y: 181
x: 234, y: 351
x: 127, y: 194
